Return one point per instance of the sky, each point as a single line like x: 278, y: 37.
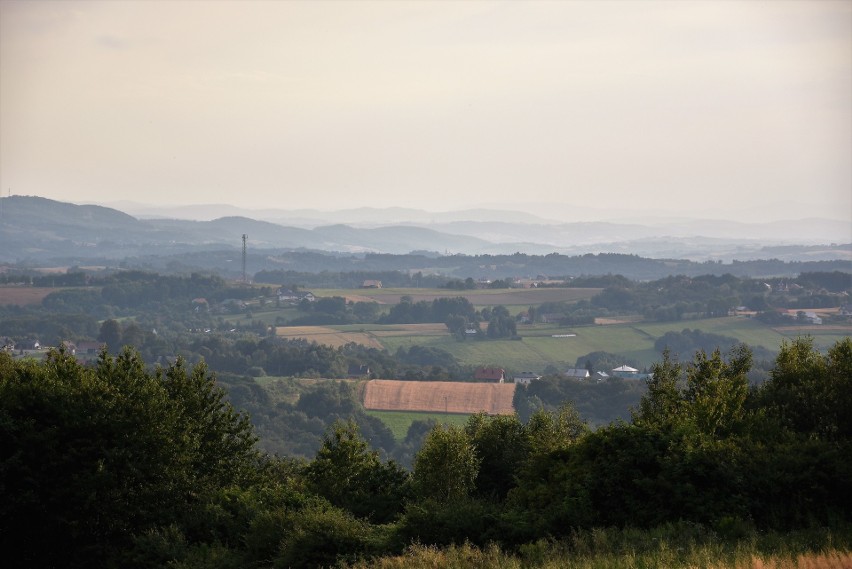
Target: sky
x: 737, y: 109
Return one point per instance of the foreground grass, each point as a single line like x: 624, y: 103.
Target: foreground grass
x: 469, y: 557
x: 672, y: 546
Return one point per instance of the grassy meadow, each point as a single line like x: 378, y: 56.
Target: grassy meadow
x: 399, y: 421
x: 539, y: 348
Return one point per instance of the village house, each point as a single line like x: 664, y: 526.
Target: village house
x: 576, y: 373
x: 287, y: 296
x: 28, y: 345
x: 495, y: 374
x: 89, y: 347
x: 812, y: 318
x: 626, y: 372
x: 526, y: 377
x: 357, y: 371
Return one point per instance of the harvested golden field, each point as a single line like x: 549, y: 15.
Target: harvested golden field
x: 24, y: 295
x: 439, y: 396
x: 327, y: 336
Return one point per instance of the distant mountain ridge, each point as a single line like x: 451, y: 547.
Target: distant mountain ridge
x: 40, y: 228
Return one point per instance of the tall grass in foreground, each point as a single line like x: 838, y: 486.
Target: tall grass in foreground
x: 696, y: 548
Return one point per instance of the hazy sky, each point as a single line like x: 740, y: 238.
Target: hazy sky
x: 703, y: 107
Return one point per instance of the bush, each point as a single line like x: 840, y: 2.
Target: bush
x: 323, y: 536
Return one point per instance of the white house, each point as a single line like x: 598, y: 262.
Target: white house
x: 526, y: 377
x: 625, y: 371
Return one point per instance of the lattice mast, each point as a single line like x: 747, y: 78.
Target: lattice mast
x: 244, y: 258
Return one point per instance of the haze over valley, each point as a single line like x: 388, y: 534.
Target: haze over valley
x: 410, y: 283
x: 38, y: 229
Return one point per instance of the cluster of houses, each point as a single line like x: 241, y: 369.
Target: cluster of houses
x: 287, y: 296
x: 21, y: 346
x: 498, y: 375
x: 83, y: 349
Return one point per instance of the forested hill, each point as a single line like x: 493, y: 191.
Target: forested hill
x: 407, y: 270
x: 43, y: 231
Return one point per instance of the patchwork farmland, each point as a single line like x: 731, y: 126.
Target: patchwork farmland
x: 439, y: 396
x: 550, y: 344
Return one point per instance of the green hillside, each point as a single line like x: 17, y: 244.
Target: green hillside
x: 635, y: 341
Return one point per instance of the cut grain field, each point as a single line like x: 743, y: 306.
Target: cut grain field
x: 439, y: 396
x: 24, y: 295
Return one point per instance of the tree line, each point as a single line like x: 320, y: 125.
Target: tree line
x: 116, y: 465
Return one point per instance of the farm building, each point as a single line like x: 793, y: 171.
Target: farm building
x: 496, y: 374
x: 526, y: 377
x: 89, y: 347
x: 576, y: 373
x: 358, y: 370
x: 625, y: 371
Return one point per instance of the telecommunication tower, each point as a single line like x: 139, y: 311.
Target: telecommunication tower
x: 244, y: 258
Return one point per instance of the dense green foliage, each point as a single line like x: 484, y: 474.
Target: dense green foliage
x: 598, y: 402
x: 116, y: 462
x: 93, y: 456
x: 164, y: 316
x: 113, y: 465
x: 349, y: 271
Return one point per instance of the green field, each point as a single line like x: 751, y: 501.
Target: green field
x: 399, y: 421
x: 538, y: 348
x: 634, y: 341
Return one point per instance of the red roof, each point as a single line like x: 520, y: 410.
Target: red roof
x: 493, y: 373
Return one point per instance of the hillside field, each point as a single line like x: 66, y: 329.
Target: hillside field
x: 439, y: 396
x: 24, y: 295
x: 539, y: 348
x: 399, y: 421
